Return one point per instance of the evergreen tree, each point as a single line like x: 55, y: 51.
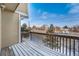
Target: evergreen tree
x: 23, y: 27
x: 51, y: 28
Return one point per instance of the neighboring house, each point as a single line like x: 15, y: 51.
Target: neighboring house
x: 10, y: 16
x: 57, y: 30
x: 64, y: 30
x: 61, y: 30
x: 39, y: 29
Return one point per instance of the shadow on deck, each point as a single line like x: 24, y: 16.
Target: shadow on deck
x: 29, y: 48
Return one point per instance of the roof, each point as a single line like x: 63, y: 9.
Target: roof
x: 9, y: 6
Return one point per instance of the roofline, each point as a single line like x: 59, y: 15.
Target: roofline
x: 16, y: 7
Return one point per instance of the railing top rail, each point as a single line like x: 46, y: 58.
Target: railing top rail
x: 59, y: 35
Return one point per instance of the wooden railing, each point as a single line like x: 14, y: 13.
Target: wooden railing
x: 64, y: 43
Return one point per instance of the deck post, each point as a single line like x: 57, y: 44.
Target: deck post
x: 0, y: 30
x: 20, y: 37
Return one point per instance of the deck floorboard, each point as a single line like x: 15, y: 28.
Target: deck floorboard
x: 29, y: 48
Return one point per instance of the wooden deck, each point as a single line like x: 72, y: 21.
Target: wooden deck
x: 67, y: 44
x: 6, y: 52
x: 29, y: 49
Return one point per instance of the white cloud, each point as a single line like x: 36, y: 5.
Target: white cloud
x: 70, y: 19
x: 44, y: 15
x: 74, y: 8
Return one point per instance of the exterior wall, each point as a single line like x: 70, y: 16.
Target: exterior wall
x: 10, y: 28
x: 0, y: 29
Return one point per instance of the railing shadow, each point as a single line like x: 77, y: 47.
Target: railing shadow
x: 66, y: 44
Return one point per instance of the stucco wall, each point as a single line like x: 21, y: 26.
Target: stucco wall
x: 10, y: 28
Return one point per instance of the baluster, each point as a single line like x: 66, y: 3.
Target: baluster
x: 70, y: 47
x: 57, y: 43
x: 66, y: 46
x: 74, y: 47
x: 52, y: 41
x: 63, y: 45
x: 21, y: 37
x: 30, y: 36
x: 78, y: 47
x: 60, y: 44
x: 48, y: 40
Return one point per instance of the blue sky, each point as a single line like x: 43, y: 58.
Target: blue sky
x: 58, y: 14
